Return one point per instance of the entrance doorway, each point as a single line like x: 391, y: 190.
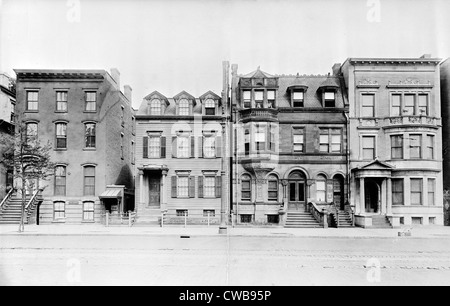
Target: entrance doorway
x: 338, y: 191
x: 296, y: 190
x: 372, y: 196
x: 154, y: 190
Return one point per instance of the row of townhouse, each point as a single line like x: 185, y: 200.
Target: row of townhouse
x: 362, y: 145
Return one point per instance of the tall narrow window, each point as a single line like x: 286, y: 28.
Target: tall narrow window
x: 416, y: 191
x: 336, y: 140
x: 247, y: 142
x: 321, y: 191
x: 209, y: 187
x: 324, y: 140
x: 59, y: 210
x: 209, y: 146
x: 396, y: 105
x: 61, y: 101
x: 397, y: 192
x: 89, y: 135
x: 183, y: 107
x: 183, y: 145
x: 32, y: 100
x: 423, y: 104
x: 408, y: 108
x: 397, y: 146
x: 60, y: 181
x: 154, y: 146
x: 155, y: 107
x: 61, y: 135
x: 183, y: 187
x: 298, y: 99
x: 272, y: 137
x: 13, y: 107
x: 299, y: 140
x: 259, y: 98
x: 246, y: 188
x: 330, y: 99
x: 133, y: 152
x: 89, y: 180
x: 415, y: 141
x: 271, y: 99
x: 368, y: 105
x: 31, y: 132
x: 431, y: 191
x: 260, y: 137
x: 210, y: 107
x: 88, y: 211
x: 247, y: 98
x: 430, y: 147
x: 122, y: 149
x: 91, y: 101
x: 368, y: 147
x: 272, y: 184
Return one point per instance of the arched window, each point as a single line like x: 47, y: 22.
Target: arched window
x: 210, y: 107
x: 155, y: 107
x: 89, y: 135
x: 89, y: 180
x: 183, y: 107
x: 246, y: 187
x: 60, y: 181
x: 31, y: 131
x: 321, y: 185
x: 272, y: 188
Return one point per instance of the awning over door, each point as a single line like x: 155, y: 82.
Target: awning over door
x: 111, y: 194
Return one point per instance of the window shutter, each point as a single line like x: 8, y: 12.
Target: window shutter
x: 145, y: 147
x: 200, y: 147
x: 192, y: 186
x: 174, y: 186
x: 218, y: 186
x: 219, y: 146
x: 163, y: 147
x: 174, y: 146
x: 200, y: 186
x: 192, y: 146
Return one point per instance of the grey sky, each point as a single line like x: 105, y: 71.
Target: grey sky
x: 172, y: 46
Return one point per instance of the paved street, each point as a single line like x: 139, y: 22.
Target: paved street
x: 279, y: 259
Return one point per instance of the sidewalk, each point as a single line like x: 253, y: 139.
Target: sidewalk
x: 193, y: 231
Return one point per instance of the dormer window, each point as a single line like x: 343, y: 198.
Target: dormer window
x: 247, y: 98
x: 298, y: 99
x: 210, y: 107
x: 155, y: 107
x: 183, y: 107
x: 259, y: 98
x: 271, y: 99
x: 329, y: 98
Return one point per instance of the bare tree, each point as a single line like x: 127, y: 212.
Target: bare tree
x: 29, y: 159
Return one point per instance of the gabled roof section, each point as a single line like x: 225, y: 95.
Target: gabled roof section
x: 157, y: 95
x: 258, y: 74
x: 376, y: 164
x: 185, y: 95
x: 209, y: 94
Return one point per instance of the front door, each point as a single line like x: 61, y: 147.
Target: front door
x: 154, y: 192
x: 296, y: 195
x: 338, y: 192
x: 372, y: 197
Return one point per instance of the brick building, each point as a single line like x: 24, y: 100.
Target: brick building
x: 7, y: 115
x: 90, y: 124
x: 179, y: 158
x: 445, y: 107
x: 291, y: 154
x: 395, y: 140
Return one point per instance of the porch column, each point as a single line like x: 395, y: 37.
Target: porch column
x: 163, y: 190
x: 141, y: 188
x: 383, y: 197
x: 362, y: 196
x: 389, y: 196
x: 284, y: 183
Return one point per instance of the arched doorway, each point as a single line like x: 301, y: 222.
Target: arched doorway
x: 372, y: 196
x: 296, y: 190
x: 338, y: 191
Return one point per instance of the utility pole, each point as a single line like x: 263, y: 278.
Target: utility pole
x: 226, y: 144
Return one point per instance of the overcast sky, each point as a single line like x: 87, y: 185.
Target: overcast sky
x: 172, y: 45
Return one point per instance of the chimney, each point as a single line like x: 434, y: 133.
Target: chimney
x: 116, y: 76
x: 226, y: 83
x: 426, y: 56
x: 127, y: 91
x: 336, y: 69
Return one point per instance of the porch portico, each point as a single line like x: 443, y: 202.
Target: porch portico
x: 152, y: 188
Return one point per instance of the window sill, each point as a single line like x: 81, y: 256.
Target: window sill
x: 59, y: 221
x: 89, y: 149
x: 90, y: 112
x: 92, y: 221
x: 31, y: 111
x: 60, y: 149
x: 60, y: 112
